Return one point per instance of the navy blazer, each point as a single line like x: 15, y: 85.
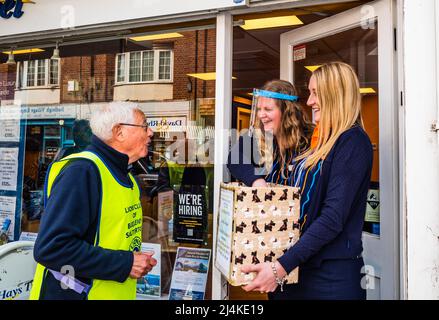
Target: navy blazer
x: 335, y: 216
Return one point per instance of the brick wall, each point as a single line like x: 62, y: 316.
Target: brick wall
x: 185, y: 51
x: 95, y: 75
x: 193, y: 53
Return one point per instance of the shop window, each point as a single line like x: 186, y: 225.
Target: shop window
x: 53, y: 71
x: 120, y: 72
x: 165, y: 65
x: 135, y: 64
x: 180, y: 158
x: 38, y: 73
x: 144, y: 66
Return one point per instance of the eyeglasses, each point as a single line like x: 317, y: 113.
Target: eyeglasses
x: 144, y: 126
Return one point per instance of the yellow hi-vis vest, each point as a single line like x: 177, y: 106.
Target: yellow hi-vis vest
x: 119, y: 227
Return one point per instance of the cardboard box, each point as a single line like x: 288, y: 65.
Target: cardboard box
x: 255, y: 225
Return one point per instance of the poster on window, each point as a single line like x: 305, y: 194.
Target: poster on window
x: 190, y: 215
x: 7, y: 211
x: 10, y: 124
x: 150, y: 284
x: 189, y: 276
x: 165, y: 207
x: 9, y: 130
x: 8, y: 169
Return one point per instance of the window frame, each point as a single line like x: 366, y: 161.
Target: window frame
x: 156, y: 66
x: 22, y: 74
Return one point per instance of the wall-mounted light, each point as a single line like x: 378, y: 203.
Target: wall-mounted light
x: 189, y: 85
x: 55, y: 52
x: 11, y: 59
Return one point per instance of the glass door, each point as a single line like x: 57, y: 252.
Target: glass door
x: 363, y: 38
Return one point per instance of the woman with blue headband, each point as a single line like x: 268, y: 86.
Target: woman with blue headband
x: 279, y: 132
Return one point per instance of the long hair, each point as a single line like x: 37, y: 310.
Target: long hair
x: 295, y: 130
x: 338, y: 92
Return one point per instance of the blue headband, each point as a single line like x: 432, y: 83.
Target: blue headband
x: 274, y: 95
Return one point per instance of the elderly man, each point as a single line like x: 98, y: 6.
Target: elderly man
x: 90, y: 234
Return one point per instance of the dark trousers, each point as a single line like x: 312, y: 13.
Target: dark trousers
x: 333, y: 280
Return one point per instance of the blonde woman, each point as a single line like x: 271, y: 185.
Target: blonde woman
x: 334, y: 177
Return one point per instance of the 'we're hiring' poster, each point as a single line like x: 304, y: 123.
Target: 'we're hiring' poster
x: 190, y: 215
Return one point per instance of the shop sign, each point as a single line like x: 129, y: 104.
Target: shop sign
x: 68, y: 14
x: 12, y: 8
x: 49, y: 112
x: 167, y: 124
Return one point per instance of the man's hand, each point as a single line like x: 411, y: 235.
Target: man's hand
x: 142, y: 264
x: 259, y: 183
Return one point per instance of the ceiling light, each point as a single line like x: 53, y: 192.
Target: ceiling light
x: 367, y: 91
x: 242, y: 100
x: 312, y: 68
x: 274, y: 22
x: 157, y: 36
x: 24, y: 51
x: 204, y: 76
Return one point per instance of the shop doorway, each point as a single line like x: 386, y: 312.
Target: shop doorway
x: 363, y: 38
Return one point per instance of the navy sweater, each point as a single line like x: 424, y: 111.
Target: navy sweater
x: 69, y: 223
x: 336, y: 211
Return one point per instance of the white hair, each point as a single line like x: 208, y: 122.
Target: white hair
x: 105, y: 118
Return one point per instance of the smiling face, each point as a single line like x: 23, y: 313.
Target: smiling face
x: 269, y: 114
x: 313, y: 100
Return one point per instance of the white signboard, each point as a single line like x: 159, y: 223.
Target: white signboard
x: 224, y: 238
x: 7, y: 210
x: 8, y: 168
x: 67, y: 14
